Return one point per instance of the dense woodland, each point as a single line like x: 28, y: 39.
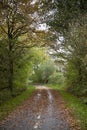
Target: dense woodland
x: 31, y: 53
x: 68, y: 20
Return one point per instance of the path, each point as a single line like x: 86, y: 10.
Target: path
x: 40, y: 112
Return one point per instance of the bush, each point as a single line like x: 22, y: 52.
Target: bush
x: 43, y: 72
x: 56, y: 78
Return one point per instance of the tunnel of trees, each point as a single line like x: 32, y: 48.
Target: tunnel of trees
x: 43, y: 41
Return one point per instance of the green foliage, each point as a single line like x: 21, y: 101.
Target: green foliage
x: 63, y: 13
x: 3, y: 64
x: 43, y: 72
x: 22, y: 68
x: 61, y: 86
x: 69, y: 19
x: 5, y: 95
x: 42, y: 65
x: 22, y: 72
x: 56, y: 78
x: 79, y: 109
x: 13, y: 103
x: 76, y: 71
x: 15, y: 23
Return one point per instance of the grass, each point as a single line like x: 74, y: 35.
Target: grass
x: 79, y: 110
x: 12, y: 104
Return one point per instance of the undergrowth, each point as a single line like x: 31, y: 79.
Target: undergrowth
x: 11, y: 104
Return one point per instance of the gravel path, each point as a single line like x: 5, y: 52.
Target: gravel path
x: 40, y: 112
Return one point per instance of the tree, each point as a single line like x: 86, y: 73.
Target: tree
x: 60, y: 14
x: 43, y: 72
x: 68, y: 20
x: 56, y: 78
x: 15, y: 20
x: 43, y: 66
x: 76, y: 71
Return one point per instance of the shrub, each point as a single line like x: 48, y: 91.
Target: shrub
x: 56, y: 78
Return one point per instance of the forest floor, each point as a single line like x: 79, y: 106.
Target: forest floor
x: 44, y: 110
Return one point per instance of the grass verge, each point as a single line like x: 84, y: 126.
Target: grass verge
x: 79, y: 110
x: 11, y: 104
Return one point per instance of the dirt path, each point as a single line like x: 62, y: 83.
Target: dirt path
x: 41, y: 112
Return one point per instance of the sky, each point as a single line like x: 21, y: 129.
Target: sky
x: 43, y: 27
x: 33, y: 2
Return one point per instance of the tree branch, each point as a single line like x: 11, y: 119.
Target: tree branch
x: 3, y: 30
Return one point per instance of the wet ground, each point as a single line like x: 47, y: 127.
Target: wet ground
x: 40, y: 112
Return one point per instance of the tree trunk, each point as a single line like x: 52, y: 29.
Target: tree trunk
x: 11, y: 67
x: 80, y: 73
x: 11, y: 75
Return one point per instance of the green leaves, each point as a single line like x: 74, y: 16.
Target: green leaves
x: 42, y: 65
